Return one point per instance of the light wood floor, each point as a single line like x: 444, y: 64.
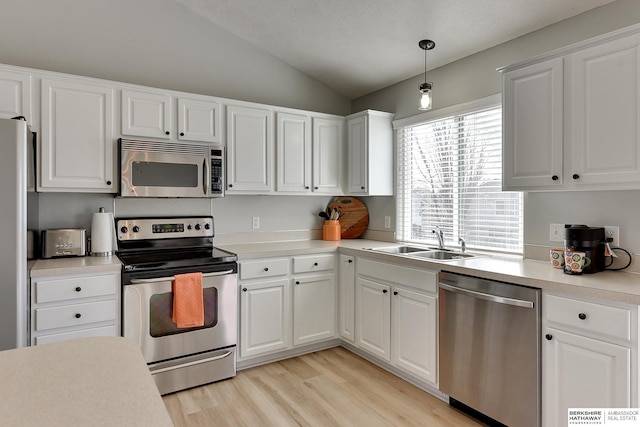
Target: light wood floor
x: 327, y: 388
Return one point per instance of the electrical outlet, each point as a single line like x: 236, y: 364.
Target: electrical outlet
x: 556, y: 232
x: 256, y: 222
x: 387, y: 222
x: 612, y: 232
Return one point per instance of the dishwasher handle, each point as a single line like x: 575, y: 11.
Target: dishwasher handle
x: 487, y: 297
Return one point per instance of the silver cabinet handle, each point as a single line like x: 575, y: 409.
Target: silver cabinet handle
x: 195, y: 362
x: 171, y: 278
x: 488, y: 297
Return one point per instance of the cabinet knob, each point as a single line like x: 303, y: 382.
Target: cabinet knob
x: 78, y: 288
x: 306, y: 187
x: 166, y: 133
x: 575, y: 176
x: 549, y: 337
x: 362, y: 188
x: 181, y: 133
x: 395, y: 292
x: 244, y: 289
x: 315, y: 264
x: 266, y: 269
x: 297, y: 282
x: 78, y: 315
x: 315, y: 188
x: 384, y: 291
x: 555, y: 177
x: 108, y: 182
x: 582, y: 316
x: 230, y: 185
x: 350, y: 261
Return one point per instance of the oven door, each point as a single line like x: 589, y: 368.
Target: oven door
x: 157, y: 169
x: 147, y: 306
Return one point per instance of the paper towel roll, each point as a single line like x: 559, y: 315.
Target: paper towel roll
x: 102, y: 233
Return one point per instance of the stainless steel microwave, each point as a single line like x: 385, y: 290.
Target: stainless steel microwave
x: 170, y: 169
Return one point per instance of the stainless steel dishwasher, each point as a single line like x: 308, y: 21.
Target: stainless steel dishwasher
x: 489, y: 350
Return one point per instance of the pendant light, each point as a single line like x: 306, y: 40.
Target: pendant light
x: 425, y: 88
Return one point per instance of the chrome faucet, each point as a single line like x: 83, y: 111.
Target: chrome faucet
x: 463, y: 245
x: 440, y: 235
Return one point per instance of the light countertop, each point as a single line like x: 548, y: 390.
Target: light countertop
x: 610, y: 285
x: 75, y: 265
x: 86, y: 382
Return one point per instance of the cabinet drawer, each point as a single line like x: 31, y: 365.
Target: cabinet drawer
x: 305, y: 264
x: 74, y: 288
x: 591, y: 317
x: 75, y: 314
x: 264, y: 268
x: 104, y: 331
x: 425, y: 280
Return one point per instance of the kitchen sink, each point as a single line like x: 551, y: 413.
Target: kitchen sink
x: 400, y: 249
x: 441, y: 255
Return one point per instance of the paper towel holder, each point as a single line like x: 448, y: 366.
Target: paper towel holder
x: 105, y: 240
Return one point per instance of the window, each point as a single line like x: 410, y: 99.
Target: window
x: 450, y: 176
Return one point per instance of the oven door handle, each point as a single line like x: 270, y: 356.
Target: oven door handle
x: 195, y: 362
x: 172, y: 278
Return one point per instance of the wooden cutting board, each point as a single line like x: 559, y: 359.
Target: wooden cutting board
x: 355, y: 220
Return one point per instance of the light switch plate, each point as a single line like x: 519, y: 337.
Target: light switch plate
x: 387, y: 222
x: 556, y: 232
x: 256, y: 222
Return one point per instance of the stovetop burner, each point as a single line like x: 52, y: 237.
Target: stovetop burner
x: 154, y: 260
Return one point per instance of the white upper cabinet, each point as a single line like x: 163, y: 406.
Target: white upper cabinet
x: 146, y: 114
x: 572, y: 117
x: 605, y: 113
x: 15, y: 96
x: 293, y: 136
x: 249, y: 150
x: 370, y: 154
x: 77, y: 145
x: 200, y: 120
x: 328, y: 146
x: 533, y: 126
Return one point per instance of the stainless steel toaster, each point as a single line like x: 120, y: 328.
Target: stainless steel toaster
x: 63, y: 242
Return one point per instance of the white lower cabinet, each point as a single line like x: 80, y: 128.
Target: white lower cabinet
x: 286, y: 302
x: 589, y: 356
x: 69, y: 307
x: 396, y: 316
x: 264, y: 317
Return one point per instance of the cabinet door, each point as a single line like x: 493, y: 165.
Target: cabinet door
x: 414, y: 333
x: 346, y: 300
x: 328, y: 140
x: 605, y: 113
x: 357, y: 154
x: 293, y: 135
x: 77, y: 137
x: 580, y: 372
x: 15, y: 96
x: 533, y: 126
x: 146, y: 114
x: 373, y: 324
x: 265, y: 323
x: 314, y: 313
x: 249, y: 150
x: 199, y: 120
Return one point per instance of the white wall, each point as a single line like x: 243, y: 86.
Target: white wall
x: 157, y: 43
x: 475, y: 77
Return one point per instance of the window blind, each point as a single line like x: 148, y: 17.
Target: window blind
x: 450, y: 175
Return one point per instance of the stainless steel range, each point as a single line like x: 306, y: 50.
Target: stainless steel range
x: 153, y: 251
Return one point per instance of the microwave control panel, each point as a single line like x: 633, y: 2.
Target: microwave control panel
x: 217, y: 172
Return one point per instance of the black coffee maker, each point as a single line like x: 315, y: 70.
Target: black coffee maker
x: 591, y: 241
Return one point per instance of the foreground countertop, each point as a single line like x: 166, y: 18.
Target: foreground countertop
x: 86, y: 382
x: 609, y: 285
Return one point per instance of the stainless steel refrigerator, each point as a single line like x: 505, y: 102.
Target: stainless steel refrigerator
x: 18, y: 212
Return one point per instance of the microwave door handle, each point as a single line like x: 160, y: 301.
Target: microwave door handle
x: 172, y: 278
x: 206, y: 176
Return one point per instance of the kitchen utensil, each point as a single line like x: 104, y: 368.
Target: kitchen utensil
x: 353, y: 216
x: 323, y: 215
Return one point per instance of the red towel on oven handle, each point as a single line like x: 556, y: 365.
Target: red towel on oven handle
x: 188, y: 302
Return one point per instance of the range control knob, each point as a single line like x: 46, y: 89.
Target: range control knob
x: 207, y: 226
x: 189, y: 227
x: 197, y: 226
x: 136, y: 228
x: 124, y: 229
